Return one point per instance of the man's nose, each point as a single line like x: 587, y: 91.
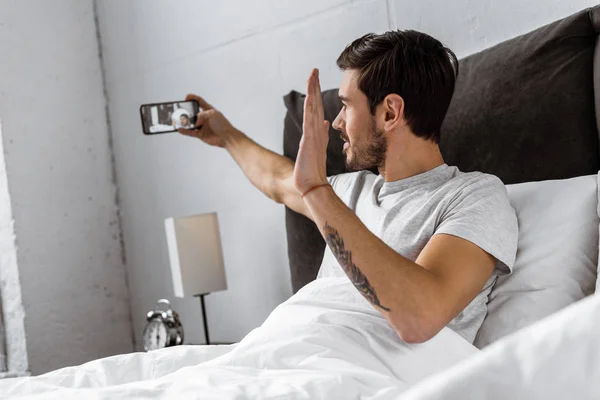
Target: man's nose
x: 337, y: 122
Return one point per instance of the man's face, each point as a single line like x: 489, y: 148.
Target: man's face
x: 364, y: 145
x: 184, y: 120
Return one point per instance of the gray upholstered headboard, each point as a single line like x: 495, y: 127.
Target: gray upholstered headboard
x: 524, y: 110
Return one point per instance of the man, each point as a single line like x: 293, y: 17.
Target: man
x: 423, y: 242
x: 184, y: 120
x: 181, y: 119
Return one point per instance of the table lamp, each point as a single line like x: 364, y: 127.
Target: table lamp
x: 196, y: 258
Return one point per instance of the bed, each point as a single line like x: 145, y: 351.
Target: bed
x: 524, y: 110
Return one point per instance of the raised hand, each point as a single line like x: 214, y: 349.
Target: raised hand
x: 310, y: 168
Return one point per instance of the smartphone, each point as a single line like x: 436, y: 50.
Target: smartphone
x: 168, y: 116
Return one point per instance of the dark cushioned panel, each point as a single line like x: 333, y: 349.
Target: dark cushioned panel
x: 522, y: 110
x: 595, y: 15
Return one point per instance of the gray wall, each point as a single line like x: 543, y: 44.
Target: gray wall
x: 60, y: 179
x: 13, y: 346
x: 243, y: 55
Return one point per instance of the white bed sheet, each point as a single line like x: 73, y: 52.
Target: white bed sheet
x: 325, y: 342
x: 556, y: 358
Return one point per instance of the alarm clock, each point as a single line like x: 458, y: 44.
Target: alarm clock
x: 163, y: 328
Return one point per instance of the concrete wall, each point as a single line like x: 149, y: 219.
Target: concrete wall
x: 57, y: 155
x: 243, y: 56
x: 13, y: 346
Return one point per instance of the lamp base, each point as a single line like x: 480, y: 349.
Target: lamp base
x: 205, y: 322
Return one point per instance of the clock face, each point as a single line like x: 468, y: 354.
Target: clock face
x: 155, y: 335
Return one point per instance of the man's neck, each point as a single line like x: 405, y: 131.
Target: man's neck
x: 407, y: 155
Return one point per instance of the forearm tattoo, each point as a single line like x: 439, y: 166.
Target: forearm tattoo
x: 344, y: 257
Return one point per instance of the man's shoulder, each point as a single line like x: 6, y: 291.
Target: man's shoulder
x: 466, y: 183
x: 474, y: 189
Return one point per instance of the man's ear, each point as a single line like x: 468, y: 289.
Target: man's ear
x: 393, y: 107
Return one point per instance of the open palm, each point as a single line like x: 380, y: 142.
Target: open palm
x: 310, y: 169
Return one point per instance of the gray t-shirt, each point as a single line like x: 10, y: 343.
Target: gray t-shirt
x: 406, y: 213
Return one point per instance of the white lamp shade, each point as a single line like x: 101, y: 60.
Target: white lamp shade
x: 195, y: 255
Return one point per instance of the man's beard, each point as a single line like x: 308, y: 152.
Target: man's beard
x: 368, y: 153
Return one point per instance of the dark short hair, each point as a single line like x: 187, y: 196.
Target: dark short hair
x: 411, y: 64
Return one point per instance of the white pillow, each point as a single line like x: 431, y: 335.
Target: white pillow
x: 557, y: 255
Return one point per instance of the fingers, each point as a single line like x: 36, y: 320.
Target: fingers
x: 203, y: 103
x: 310, y: 83
x: 200, y: 119
x: 188, y: 132
x: 313, y: 102
x: 318, y: 99
x: 308, y: 100
x: 203, y: 117
x: 317, y: 84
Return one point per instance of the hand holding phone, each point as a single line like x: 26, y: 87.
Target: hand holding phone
x: 191, y: 117
x: 211, y: 125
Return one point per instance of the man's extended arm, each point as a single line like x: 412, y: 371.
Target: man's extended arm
x: 270, y: 172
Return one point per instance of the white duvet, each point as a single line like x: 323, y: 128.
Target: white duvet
x: 325, y: 342
x: 556, y: 358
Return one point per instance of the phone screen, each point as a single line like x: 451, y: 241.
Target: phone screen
x: 169, y: 116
